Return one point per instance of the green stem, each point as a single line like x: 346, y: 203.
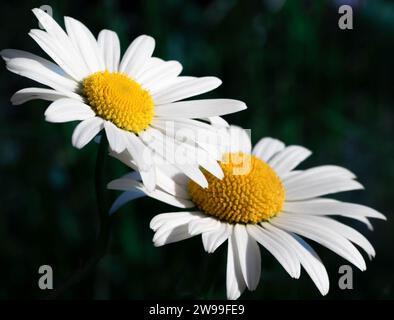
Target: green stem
x: 104, y: 223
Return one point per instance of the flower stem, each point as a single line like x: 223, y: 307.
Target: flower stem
x: 104, y: 227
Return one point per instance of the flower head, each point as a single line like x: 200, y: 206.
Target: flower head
x: 261, y: 200
x: 131, y: 98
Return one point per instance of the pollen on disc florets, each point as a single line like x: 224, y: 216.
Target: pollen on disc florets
x: 250, y: 191
x: 117, y: 98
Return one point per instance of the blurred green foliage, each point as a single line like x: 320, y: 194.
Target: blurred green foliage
x: 305, y: 81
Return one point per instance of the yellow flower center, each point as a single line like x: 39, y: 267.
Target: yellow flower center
x: 117, y: 98
x: 250, y: 191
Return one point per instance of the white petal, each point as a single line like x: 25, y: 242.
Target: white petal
x: 319, y: 181
x: 193, y: 132
x: 203, y: 225
x: 164, y: 219
x: 172, y: 173
x: 50, y: 25
x: 167, y: 142
x: 153, y: 62
x: 149, y: 179
x: 194, y: 155
x: 174, y: 229
x: 41, y: 73
x: 28, y: 94
x: 85, y: 131
x: 182, y: 174
x: 235, y: 283
x: 199, y: 108
x: 186, y: 89
x: 176, y: 234
x: 281, y: 252
x: 331, y: 207
x: 323, y: 235
x: 249, y: 256
x: 123, y: 183
x: 213, y: 239
x: 86, y: 43
x: 125, y: 158
x: 8, y: 54
x: 239, y: 140
x: 306, y: 256
x: 156, y: 75
x: 116, y: 137
x: 109, y: 46
x: 170, y: 185
x: 137, y: 55
x: 326, y: 171
x: 267, y: 147
x: 218, y: 122
x: 127, y: 184
x: 194, y: 174
x: 64, y: 110
x: 155, y: 140
x: 56, y: 43
x: 74, y: 67
x: 346, y: 231
x: 124, y: 198
x: 287, y: 159
x: 164, y: 85
x: 139, y: 151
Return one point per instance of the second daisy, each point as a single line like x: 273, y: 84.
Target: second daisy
x: 261, y: 200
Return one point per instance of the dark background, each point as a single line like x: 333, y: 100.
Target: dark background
x: 305, y: 81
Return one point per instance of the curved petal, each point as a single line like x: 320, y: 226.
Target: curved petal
x: 125, y: 197
x: 306, y: 255
x: 139, y: 151
x: 324, y: 206
x: 29, y: 94
x: 167, y: 182
x: 319, y: 181
x: 289, y: 158
x: 267, y: 147
x: 149, y: 179
x: 199, y: 108
x: 8, y: 54
x: 116, y: 137
x: 218, y: 122
x: 203, y: 225
x: 249, y: 256
x: 326, y: 172
x: 214, y: 238
x: 174, y: 229
x: 65, y: 110
x: 323, y: 235
x: 345, y: 231
x: 281, y: 252
x: 137, y: 55
x: 85, y: 131
x: 109, y: 46
x: 154, y: 140
x: 239, y: 140
x: 127, y: 184
x: 41, y: 73
x: 186, y: 89
x: 157, y: 75
x: 235, y: 283
x: 55, y: 43
x: 86, y: 43
x: 163, y: 219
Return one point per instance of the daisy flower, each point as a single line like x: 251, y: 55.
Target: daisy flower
x: 261, y: 200
x: 129, y: 97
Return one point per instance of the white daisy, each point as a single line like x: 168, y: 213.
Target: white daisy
x: 269, y: 203
x: 130, y: 98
